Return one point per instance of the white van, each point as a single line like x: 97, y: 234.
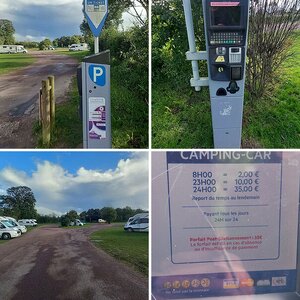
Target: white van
x: 12, y: 49
x: 139, y: 222
x: 8, y: 231
x: 27, y: 222
x: 14, y: 222
x: 77, y: 222
x: 79, y: 47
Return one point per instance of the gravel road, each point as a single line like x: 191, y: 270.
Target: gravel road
x: 19, y: 92
x: 51, y: 263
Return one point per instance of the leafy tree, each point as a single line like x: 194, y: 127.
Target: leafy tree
x: 109, y: 214
x: 72, y: 215
x: 65, y: 221
x: 271, y: 29
x: 19, y: 202
x: 45, y: 44
x: 7, y: 31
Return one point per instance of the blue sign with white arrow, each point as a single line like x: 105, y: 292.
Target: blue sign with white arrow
x: 96, y: 12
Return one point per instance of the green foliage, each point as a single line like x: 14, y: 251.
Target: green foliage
x: 7, y: 31
x: 109, y: 214
x: 45, y: 44
x: 72, y: 215
x: 169, y: 41
x: 47, y: 219
x: 129, y: 247
x: 66, y: 41
x: 19, y: 203
x: 65, y: 221
x: 29, y: 45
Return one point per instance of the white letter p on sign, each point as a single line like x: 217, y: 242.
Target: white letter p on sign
x: 98, y: 72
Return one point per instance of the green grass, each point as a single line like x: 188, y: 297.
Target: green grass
x: 130, y: 247
x: 274, y: 122
x: 182, y: 118
x: 12, y: 62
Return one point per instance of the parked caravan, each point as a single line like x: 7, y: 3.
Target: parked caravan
x: 14, y: 222
x: 8, y: 231
x: 79, y: 47
x: 139, y: 222
x: 27, y: 222
x: 12, y: 49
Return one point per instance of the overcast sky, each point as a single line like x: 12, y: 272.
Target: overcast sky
x: 40, y: 19
x: 62, y: 181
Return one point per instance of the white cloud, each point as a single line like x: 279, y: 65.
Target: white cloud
x: 56, y: 190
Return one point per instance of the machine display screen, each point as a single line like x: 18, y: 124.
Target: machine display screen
x: 225, y: 16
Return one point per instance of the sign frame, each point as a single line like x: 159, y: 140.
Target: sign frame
x: 160, y: 185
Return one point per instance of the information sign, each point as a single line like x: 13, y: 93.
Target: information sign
x: 224, y: 223
x: 96, y: 12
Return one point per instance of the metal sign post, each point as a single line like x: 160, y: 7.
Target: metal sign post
x: 226, y: 28
x: 95, y: 79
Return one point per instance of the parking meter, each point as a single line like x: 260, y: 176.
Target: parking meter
x: 96, y: 104
x: 226, y: 28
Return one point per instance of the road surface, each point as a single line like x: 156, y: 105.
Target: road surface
x: 19, y: 92
x: 52, y: 263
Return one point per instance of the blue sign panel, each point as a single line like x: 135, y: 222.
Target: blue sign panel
x: 96, y: 12
x: 97, y: 74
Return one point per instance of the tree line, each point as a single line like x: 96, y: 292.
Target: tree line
x: 19, y: 202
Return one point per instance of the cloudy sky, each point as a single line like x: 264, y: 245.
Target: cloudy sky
x: 62, y: 181
x: 40, y: 19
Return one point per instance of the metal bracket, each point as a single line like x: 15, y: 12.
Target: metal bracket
x: 199, y: 55
x: 203, y: 81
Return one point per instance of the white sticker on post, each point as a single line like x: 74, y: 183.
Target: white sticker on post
x: 97, y: 118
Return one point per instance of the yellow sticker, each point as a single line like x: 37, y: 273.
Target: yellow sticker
x: 220, y: 59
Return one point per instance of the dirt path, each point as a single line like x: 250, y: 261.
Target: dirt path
x: 19, y: 96
x: 52, y: 263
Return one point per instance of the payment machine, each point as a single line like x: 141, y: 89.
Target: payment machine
x: 96, y: 105
x: 226, y: 28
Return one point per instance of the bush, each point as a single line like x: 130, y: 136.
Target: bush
x: 65, y: 221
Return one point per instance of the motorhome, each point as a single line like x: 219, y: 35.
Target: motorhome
x: 15, y: 223
x: 8, y: 231
x: 12, y: 49
x: 79, y: 47
x: 27, y: 222
x: 139, y: 222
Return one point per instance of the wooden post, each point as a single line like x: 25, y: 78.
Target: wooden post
x: 40, y: 107
x: 52, y: 101
x: 46, y: 112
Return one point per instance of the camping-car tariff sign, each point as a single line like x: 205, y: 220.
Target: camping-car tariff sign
x: 225, y: 223
x: 96, y: 12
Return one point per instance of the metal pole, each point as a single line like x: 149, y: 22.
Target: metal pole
x: 96, y: 44
x: 191, y: 38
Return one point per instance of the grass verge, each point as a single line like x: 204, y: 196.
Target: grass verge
x: 131, y: 248
x: 182, y: 118
x: 12, y: 62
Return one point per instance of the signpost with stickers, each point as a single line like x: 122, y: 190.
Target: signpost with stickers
x: 225, y: 224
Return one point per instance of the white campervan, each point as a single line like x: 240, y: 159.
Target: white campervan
x: 14, y: 222
x: 139, y: 222
x: 12, y: 49
x: 27, y: 222
x: 8, y: 231
x: 79, y: 47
